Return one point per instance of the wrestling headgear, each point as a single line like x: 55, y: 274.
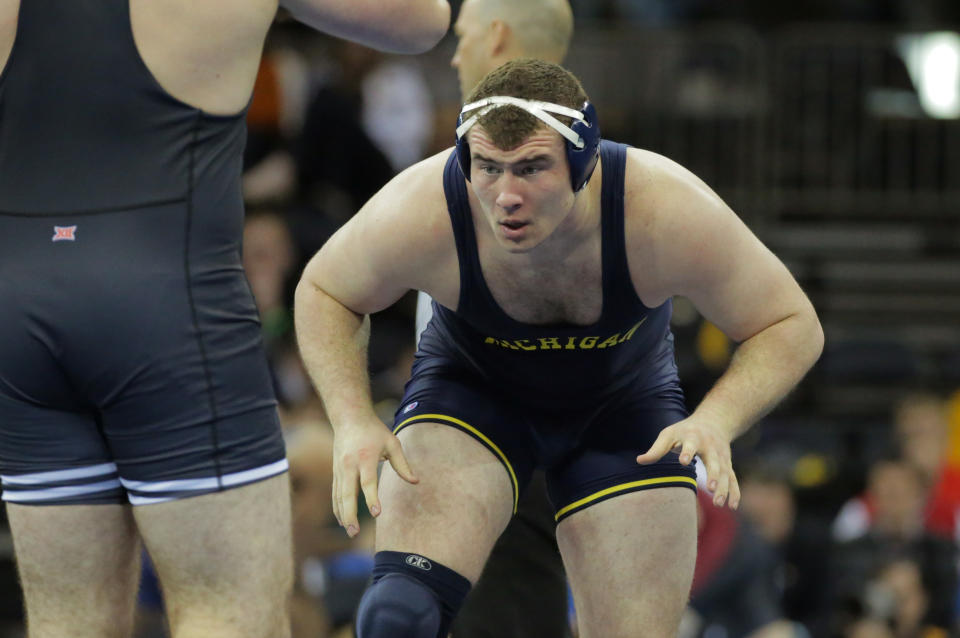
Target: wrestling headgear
x: 583, y: 136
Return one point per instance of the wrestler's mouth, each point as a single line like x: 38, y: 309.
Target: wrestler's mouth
x: 514, y: 230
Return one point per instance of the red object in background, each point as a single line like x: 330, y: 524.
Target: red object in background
x: 718, y: 527
x: 943, y: 506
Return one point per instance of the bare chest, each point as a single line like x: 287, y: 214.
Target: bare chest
x: 566, y: 293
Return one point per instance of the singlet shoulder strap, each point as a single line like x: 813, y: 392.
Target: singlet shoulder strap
x: 617, y: 286
x: 458, y: 207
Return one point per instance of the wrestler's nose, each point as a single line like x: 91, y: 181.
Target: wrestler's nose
x: 509, y: 201
x: 510, y: 197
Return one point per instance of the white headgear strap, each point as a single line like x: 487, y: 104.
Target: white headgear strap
x: 540, y: 110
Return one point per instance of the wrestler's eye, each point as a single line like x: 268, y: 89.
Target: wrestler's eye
x: 490, y: 169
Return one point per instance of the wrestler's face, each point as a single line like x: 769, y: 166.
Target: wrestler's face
x: 524, y: 193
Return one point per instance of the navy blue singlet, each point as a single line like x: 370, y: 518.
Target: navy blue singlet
x: 130, y: 347
x: 560, y: 363
x: 85, y: 127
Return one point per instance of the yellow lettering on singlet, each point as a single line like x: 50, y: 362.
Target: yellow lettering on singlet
x: 549, y: 343
x: 610, y: 341
x: 588, y: 342
x: 572, y: 343
x: 629, y: 333
x: 500, y: 342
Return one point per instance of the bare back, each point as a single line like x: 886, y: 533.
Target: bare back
x: 205, y: 54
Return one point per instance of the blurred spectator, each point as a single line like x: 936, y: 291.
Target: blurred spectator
x: 270, y: 258
x: 868, y: 628
x: 895, y: 605
x: 398, y: 111
x: 901, y: 584
x: 920, y: 431
x: 310, y: 450
x: 896, y: 491
x: 737, y: 584
x: 371, y: 118
x: 923, y: 431
x: 332, y: 570
x: 275, y: 117
x: 768, y: 501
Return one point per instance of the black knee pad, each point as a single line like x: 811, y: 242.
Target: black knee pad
x: 410, y: 597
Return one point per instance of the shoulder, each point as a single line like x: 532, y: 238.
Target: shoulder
x: 415, y: 196
x: 669, y: 215
x: 662, y: 199
x: 425, y: 178
x: 402, y: 237
x: 655, y: 181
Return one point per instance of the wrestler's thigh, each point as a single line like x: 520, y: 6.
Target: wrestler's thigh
x: 523, y: 579
x: 455, y: 513
x: 78, y: 567
x: 630, y: 562
x: 225, y: 556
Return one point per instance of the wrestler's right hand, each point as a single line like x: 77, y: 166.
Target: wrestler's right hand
x: 357, y: 451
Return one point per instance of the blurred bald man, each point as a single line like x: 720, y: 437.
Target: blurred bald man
x: 491, y: 32
x: 522, y: 592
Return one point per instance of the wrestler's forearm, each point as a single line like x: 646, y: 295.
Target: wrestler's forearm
x: 333, y: 345
x: 764, y: 369
x: 395, y: 26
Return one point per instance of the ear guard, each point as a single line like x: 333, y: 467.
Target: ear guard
x: 582, y: 137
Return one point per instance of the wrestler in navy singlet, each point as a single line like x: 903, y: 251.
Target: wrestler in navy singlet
x: 629, y: 343
x: 580, y: 401
x: 131, y: 362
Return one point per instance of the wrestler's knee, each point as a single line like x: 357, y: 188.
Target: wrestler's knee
x: 410, y: 597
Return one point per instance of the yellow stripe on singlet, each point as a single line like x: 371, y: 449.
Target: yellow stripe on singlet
x: 622, y: 488
x: 475, y: 432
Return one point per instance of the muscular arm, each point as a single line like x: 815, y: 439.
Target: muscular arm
x: 764, y: 369
x: 699, y: 248
x: 389, y: 247
x: 706, y: 253
x: 396, y: 26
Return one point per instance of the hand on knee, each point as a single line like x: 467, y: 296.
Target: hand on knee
x: 410, y: 597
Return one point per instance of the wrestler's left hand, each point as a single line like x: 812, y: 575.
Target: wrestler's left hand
x: 694, y: 436
x: 357, y: 451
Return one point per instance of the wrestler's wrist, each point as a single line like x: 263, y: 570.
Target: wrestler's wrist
x: 724, y: 422
x: 352, y: 417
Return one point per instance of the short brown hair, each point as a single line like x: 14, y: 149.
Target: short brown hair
x: 530, y: 79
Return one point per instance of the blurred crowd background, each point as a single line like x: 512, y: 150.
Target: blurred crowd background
x: 833, y: 128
